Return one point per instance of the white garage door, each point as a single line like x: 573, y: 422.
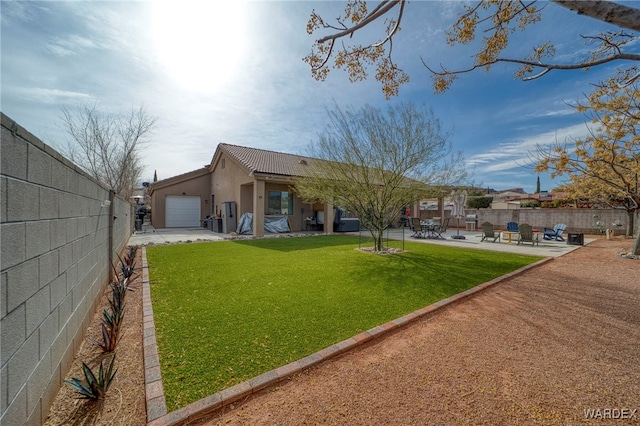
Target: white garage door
x: 182, y: 211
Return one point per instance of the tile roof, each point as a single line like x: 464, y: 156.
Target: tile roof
x: 270, y: 162
x: 179, y: 178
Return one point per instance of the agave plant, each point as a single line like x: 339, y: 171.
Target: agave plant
x: 112, y: 320
x: 127, y: 269
x: 110, y: 329
x: 131, y: 256
x: 110, y: 338
x: 119, y: 290
x: 93, y: 387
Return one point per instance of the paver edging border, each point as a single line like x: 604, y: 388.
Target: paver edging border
x: 156, y: 403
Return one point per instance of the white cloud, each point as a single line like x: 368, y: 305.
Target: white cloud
x: 53, y: 96
x: 520, y: 152
x: 104, y: 52
x: 71, y: 45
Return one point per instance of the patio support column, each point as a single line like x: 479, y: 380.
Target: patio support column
x: 328, y: 218
x: 415, y: 210
x: 258, y: 207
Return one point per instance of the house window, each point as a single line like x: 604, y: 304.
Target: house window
x: 280, y: 202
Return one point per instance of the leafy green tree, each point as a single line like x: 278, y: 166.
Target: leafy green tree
x: 530, y: 204
x: 475, y: 192
x: 605, y: 165
x: 495, y: 20
x: 479, y: 202
x: 375, y: 162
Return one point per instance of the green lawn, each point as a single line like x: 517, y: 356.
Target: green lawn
x: 228, y: 311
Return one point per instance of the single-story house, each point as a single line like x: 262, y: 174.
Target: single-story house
x: 239, y: 180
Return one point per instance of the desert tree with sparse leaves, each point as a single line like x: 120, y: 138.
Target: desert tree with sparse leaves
x: 375, y: 162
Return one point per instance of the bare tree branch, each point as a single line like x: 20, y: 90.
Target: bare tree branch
x: 605, y: 11
x: 108, y: 146
x: 545, y: 66
x: 500, y: 19
x: 380, y: 11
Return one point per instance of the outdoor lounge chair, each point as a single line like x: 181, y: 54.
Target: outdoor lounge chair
x: 555, y: 233
x: 512, y: 226
x: 488, y: 232
x: 527, y: 235
x: 417, y: 228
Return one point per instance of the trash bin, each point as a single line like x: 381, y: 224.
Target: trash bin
x: 138, y: 224
x: 575, y: 239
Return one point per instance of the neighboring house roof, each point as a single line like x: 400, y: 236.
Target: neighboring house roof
x: 543, y: 196
x: 269, y: 162
x: 179, y: 178
x: 508, y: 196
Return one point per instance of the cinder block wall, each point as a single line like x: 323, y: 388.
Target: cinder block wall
x: 577, y: 220
x: 54, y: 266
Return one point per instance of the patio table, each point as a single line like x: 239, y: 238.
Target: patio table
x: 510, y: 234
x: 428, y: 228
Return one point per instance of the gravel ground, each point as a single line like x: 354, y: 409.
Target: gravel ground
x: 542, y: 348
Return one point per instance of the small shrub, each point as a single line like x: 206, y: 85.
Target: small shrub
x: 93, y: 387
x: 530, y: 204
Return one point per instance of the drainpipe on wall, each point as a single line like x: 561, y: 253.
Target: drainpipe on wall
x: 112, y: 196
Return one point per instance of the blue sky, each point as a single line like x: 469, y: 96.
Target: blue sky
x: 236, y: 76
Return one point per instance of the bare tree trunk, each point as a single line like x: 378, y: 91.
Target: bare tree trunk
x: 377, y: 239
x: 636, y: 225
x: 631, y: 214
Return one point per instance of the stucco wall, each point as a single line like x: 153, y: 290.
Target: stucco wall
x: 226, y: 181
x: 54, y: 266
x: 230, y: 182
x: 197, y: 186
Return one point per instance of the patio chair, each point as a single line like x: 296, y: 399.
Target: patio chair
x: 417, y: 228
x: 527, y: 235
x: 512, y: 226
x: 488, y: 232
x: 441, y: 229
x: 555, y: 233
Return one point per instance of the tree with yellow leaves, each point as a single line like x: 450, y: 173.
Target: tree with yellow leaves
x: 496, y: 20
x: 605, y: 165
